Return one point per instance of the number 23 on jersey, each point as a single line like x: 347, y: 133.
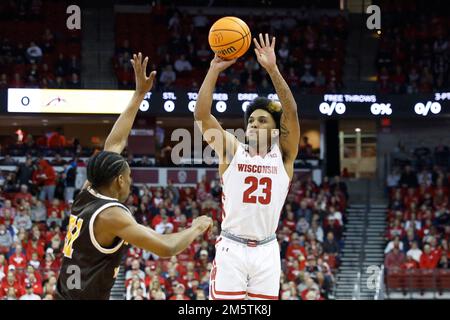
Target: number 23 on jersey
x: 254, y: 184
x: 73, y: 231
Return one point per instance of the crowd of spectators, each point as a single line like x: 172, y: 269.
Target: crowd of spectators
x: 418, y: 231
x: 310, y: 50
x: 35, y: 202
x: 413, y: 53
x: 35, y: 50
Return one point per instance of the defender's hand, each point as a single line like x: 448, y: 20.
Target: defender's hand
x: 265, y: 52
x: 143, y: 83
x: 203, y: 223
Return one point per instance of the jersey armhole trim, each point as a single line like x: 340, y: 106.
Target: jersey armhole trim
x: 91, y: 228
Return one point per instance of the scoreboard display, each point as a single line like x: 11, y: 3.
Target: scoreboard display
x: 182, y: 103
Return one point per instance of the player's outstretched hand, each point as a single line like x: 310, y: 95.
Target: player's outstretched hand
x: 219, y: 64
x: 203, y: 223
x: 143, y: 83
x: 265, y: 52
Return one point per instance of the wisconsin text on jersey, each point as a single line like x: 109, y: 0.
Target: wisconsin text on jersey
x: 253, y: 168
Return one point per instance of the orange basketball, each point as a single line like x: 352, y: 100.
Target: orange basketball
x: 229, y: 38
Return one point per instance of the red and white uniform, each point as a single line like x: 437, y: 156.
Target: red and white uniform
x: 254, y: 192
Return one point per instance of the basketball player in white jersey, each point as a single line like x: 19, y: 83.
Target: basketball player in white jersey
x: 255, y: 179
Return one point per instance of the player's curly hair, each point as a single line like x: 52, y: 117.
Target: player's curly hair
x: 265, y: 104
x: 104, y: 167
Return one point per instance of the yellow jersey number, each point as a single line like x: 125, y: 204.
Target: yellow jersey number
x: 73, y: 231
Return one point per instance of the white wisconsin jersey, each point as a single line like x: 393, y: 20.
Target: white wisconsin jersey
x: 254, y: 190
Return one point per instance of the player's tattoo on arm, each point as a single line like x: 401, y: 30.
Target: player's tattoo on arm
x: 287, y: 101
x: 284, y: 93
x: 289, y: 123
x: 284, y: 131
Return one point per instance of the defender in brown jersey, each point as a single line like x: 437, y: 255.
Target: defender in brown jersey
x: 100, y: 226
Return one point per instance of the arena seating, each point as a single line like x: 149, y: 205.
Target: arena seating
x: 413, y: 53
x: 313, y: 48
x: 419, y: 212
x: 58, y: 53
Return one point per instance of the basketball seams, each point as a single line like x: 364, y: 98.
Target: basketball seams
x: 224, y: 45
x: 229, y: 42
x: 240, y: 26
x: 245, y: 36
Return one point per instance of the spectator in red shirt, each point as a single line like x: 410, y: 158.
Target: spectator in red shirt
x: 56, y: 140
x: 426, y: 228
x: 55, y: 231
x: 396, y: 231
x: 56, y: 207
x: 133, y: 254
x: 35, y: 246
x: 23, y: 194
x: 440, y: 200
x: 410, y: 263
x: 45, y: 177
x: 18, y: 259
x: 310, y: 286
x: 7, y: 207
x: 11, y: 282
x: 150, y: 274
x: 35, y: 284
x: 51, y: 263
x: 296, y: 250
x: 411, y: 197
x: 428, y: 260
x: 289, y: 221
x: 394, y: 259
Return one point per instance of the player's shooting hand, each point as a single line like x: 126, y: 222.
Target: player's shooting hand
x: 203, y: 223
x: 143, y: 83
x: 218, y: 64
x: 265, y: 52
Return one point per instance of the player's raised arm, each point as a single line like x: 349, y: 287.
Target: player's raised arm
x: 117, y: 139
x: 289, y: 125
x: 120, y: 224
x: 202, y: 112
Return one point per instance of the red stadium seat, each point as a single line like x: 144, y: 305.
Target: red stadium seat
x: 422, y: 279
x: 443, y: 280
x: 396, y: 279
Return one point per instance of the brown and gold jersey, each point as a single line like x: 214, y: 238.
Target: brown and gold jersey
x: 88, y: 270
